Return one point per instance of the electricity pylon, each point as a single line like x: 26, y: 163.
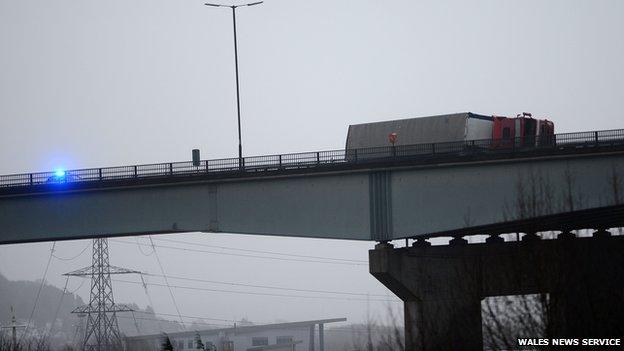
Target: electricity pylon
x: 102, y: 329
x: 13, y: 328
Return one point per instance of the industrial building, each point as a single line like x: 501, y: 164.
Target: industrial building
x: 293, y: 336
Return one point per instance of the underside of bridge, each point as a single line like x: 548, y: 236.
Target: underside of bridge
x: 442, y: 286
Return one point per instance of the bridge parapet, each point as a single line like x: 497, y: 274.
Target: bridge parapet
x: 430, y: 153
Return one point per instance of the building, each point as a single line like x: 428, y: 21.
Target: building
x: 294, y: 336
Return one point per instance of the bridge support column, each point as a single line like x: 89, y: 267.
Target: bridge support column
x: 441, y: 297
x: 443, y: 324
x: 587, y: 301
x: 442, y: 287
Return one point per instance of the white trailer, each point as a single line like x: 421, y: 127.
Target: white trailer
x: 422, y: 130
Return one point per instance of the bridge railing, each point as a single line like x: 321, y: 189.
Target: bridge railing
x: 428, y: 151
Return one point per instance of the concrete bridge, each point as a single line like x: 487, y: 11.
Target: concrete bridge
x: 381, y: 194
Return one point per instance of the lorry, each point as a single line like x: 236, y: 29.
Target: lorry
x: 446, y: 133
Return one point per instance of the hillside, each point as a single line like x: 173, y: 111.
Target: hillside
x: 68, y: 327
x: 21, y: 295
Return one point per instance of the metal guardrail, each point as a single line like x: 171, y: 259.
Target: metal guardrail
x: 306, y: 160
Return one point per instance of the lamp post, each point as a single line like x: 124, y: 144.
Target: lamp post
x: 234, y: 7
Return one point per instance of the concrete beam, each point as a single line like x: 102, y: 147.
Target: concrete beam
x: 377, y: 204
x: 442, y: 286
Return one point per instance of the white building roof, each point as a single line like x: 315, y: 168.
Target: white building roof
x: 239, y: 330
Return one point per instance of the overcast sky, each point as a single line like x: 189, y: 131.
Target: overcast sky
x: 89, y: 84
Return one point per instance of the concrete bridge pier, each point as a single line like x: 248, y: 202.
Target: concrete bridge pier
x: 587, y: 294
x: 442, y: 286
x: 441, y: 297
x: 457, y: 325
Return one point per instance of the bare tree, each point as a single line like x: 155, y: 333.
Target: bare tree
x: 507, y: 318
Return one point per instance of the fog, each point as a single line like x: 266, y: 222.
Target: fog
x: 93, y: 84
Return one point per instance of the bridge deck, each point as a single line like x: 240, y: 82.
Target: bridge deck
x: 309, y: 162
x: 451, y: 189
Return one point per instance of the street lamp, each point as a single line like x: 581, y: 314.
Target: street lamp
x: 234, y: 7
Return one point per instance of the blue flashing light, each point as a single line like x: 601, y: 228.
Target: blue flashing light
x: 59, y: 173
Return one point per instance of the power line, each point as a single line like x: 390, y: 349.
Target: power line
x: 260, y: 251
x: 266, y: 286
x: 58, y: 308
x: 162, y: 270
x: 72, y: 258
x: 241, y: 255
x: 149, y: 298
x: 168, y: 321
x: 185, y: 316
x: 45, y: 273
x: 257, y: 293
x: 140, y: 249
x: 78, y: 288
x: 136, y: 324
